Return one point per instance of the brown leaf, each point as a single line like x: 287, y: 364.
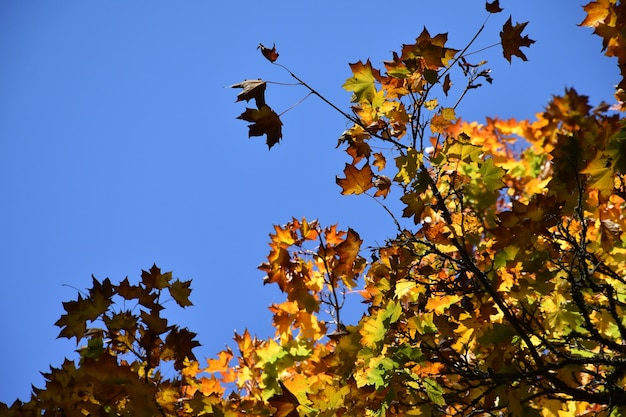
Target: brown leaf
x: 285, y: 403
x: 493, y: 7
x: 348, y: 252
x: 252, y: 89
x: 512, y: 40
x: 446, y: 84
x: 268, y: 53
x: 265, y: 122
x: 179, y: 345
x: 357, y: 181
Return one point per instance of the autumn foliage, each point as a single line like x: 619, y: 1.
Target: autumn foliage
x: 504, y: 296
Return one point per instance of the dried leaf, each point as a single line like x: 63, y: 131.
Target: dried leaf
x: 268, y: 53
x: 252, y: 89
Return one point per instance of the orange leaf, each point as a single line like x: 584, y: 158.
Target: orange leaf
x: 221, y: 363
x: 512, y: 40
x: 348, y: 251
x: 357, y: 181
x: 379, y: 161
x: 597, y: 12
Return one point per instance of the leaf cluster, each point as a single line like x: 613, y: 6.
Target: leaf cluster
x: 501, y: 292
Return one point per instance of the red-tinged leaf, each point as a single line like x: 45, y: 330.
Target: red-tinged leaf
x: 493, y: 7
x: 265, y: 122
x: 268, y: 53
x: 512, y: 40
x: 357, y: 181
x: 252, y: 89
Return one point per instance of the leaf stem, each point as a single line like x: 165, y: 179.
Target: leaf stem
x: 295, y: 104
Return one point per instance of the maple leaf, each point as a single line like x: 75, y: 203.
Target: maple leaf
x: 597, y: 12
x: 414, y: 206
x: 252, y: 89
x: 180, y: 342
x: 491, y: 175
x: 285, y: 403
x: 383, y: 184
x: 446, y: 84
x: 265, y: 122
x: 357, y: 181
x: 431, y: 52
x: 155, y: 279
x: 180, y: 291
x: 268, y: 53
x: 348, y: 252
x: 83, y: 310
x: 493, y: 7
x: 362, y: 83
x: 601, y: 172
x: 512, y: 40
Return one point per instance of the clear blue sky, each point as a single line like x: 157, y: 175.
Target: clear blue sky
x: 120, y: 148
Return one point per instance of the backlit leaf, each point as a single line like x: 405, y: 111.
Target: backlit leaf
x: 362, y: 83
x: 356, y: 180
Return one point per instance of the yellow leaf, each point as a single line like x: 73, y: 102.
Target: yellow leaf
x: 448, y: 114
x: 431, y: 104
x: 601, y: 172
x: 408, y: 165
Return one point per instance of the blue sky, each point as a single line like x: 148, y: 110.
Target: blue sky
x: 120, y: 148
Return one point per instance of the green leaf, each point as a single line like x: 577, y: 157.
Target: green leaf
x: 393, y: 312
x: 499, y: 333
x: 378, y: 368
x: 461, y: 149
x: 491, y: 175
x: 434, y: 391
x: 373, y: 331
x: 93, y: 350
x: 362, y: 83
